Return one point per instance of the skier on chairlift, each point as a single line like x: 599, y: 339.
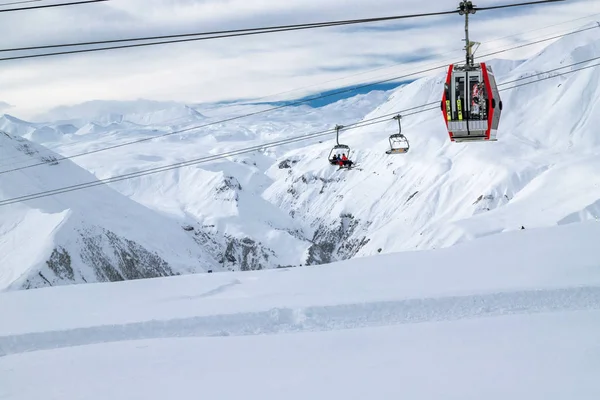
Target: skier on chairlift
x: 345, y: 162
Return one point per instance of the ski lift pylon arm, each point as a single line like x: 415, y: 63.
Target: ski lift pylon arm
x: 337, y: 134
x: 399, y: 117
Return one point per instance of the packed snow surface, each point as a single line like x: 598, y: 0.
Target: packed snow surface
x: 514, y: 315
x: 541, y: 357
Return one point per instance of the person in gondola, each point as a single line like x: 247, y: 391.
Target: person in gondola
x: 477, y: 104
x: 334, y: 159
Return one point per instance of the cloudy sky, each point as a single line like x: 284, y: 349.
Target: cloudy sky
x: 298, y: 63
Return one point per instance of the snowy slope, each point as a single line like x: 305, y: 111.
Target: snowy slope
x: 285, y: 206
x: 107, y: 111
x: 543, y: 171
x: 90, y: 236
x: 222, y: 200
x: 543, y: 259
x: 513, y: 357
x: 513, y: 316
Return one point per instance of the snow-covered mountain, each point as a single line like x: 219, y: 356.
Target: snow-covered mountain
x: 105, y: 112
x: 92, y: 236
x: 286, y: 206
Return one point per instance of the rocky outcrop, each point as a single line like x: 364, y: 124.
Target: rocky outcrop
x: 27, y: 148
x: 246, y: 255
x: 235, y: 254
x: 490, y: 202
x: 333, y: 238
x: 116, y: 259
x: 336, y: 242
x: 60, y: 263
x: 228, y: 190
x: 98, y: 257
x: 287, y: 163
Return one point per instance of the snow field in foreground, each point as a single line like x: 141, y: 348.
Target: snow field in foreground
x: 512, y: 316
x: 544, y: 356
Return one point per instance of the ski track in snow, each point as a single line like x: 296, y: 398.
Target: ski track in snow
x: 319, y: 318
x: 219, y: 290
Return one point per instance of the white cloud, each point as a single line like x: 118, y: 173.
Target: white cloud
x: 246, y: 67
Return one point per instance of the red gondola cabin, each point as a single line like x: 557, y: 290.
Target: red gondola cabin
x: 471, y: 103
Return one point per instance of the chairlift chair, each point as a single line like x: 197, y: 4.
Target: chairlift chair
x: 338, y: 149
x: 398, y: 142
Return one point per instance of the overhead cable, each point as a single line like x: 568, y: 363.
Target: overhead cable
x: 75, y: 3
x: 245, y: 150
x: 19, y: 2
x: 289, y: 104
x: 192, y: 37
